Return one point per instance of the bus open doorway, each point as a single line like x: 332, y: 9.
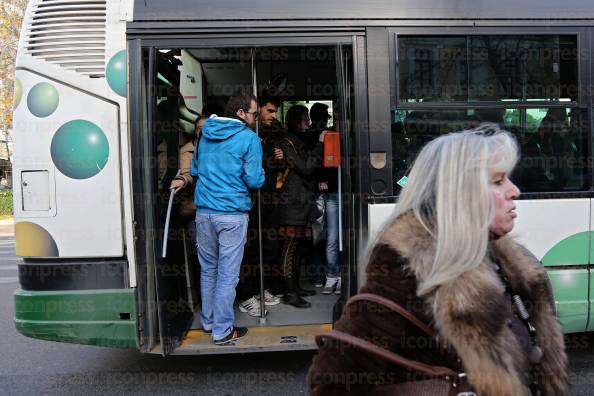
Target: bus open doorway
x: 195, y: 78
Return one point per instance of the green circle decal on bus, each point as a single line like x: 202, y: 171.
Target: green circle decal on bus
x: 43, y: 99
x: 79, y: 149
x: 18, y: 93
x: 116, y: 73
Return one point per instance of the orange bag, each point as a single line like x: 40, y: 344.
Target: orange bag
x: 332, y: 150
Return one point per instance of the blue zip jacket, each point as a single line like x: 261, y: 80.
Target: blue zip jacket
x: 228, y: 164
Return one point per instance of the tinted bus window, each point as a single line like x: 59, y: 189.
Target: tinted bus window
x: 432, y: 69
x: 554, y: 151
x: 553, y: 142
x: 487, y: 68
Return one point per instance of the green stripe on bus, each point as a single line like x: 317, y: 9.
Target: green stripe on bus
x: 570, y: 287
x: 572, y: 250
x: 92, y: 317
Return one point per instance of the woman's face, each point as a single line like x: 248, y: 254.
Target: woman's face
x: 199, y: 127
x: 305, y: 123
x: 503, y: 193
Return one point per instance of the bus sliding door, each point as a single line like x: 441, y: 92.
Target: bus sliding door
x: 165, y: 229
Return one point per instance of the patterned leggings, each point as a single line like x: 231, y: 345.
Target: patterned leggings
x: 289, y: 257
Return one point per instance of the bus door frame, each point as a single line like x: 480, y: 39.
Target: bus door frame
x: 152, y: 332
x: 156, y: 322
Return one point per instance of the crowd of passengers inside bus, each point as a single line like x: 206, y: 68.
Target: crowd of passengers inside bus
x: 297, y: 215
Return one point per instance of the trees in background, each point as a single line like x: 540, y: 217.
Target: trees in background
x: 11, y: 19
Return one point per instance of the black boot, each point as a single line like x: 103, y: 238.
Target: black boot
x: 291, y: 297
x: 304, y: 292
x: 297, y: 275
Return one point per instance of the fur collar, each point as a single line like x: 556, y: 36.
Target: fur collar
x: 471, y: 313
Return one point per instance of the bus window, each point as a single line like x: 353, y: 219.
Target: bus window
x: 553, y: 142
x: 487, y: 68
x: 497, y: 71
x: 432, y: 69
x: 553, y: 151
x: 523, y: 68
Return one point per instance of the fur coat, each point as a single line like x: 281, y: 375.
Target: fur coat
x: 472, y: 315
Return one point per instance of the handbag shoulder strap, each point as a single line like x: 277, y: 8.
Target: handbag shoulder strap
x: 359, y: 343
x: 290, y: 142
x: 394, y: 307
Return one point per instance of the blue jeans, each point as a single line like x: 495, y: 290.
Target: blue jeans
x: 220, y: 250
x: 332, y: 267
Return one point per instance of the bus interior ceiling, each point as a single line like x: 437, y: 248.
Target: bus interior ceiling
x: 189, y: 79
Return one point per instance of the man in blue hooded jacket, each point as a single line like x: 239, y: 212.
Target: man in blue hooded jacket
x: 227, y: 166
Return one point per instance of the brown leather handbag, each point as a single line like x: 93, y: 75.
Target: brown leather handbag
x: 187, y: 208
x: 441, y: 381
x: 281, y: 176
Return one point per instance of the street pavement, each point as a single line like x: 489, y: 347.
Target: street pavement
x: 30, y: 366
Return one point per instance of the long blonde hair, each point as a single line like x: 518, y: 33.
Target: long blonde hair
x: 448, y: 191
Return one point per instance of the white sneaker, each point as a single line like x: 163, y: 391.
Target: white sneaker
x: 330, y: 285
x: 269, y: 298
x: 251, y: 306
x: 338, y: 287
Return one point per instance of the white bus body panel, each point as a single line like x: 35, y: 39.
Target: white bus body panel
x: 540, y: 224
x: 93, y: 216
x: 85, y: 217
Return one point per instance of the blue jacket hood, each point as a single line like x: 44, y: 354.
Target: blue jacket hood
x: 222, y: 128
x: 227, y: 164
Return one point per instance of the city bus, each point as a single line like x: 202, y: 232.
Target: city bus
x: 106, y: 92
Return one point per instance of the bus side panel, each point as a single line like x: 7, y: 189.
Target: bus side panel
x: 97, y: 71
x: 557, y: 233
x: 92, y: 317
x: 67, y: 195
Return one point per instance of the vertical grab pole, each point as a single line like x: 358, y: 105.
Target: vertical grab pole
x: 341, y: 77
x: 339, y: 209
x: 259, y: 203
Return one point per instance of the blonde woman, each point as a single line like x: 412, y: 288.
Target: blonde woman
x: 445, y: 257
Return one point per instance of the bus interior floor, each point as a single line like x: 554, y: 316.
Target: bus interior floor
x: 281, y: 314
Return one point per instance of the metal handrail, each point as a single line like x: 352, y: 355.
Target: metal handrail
x: 167, y: 218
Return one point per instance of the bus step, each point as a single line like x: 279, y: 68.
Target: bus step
x: 258, y: 339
